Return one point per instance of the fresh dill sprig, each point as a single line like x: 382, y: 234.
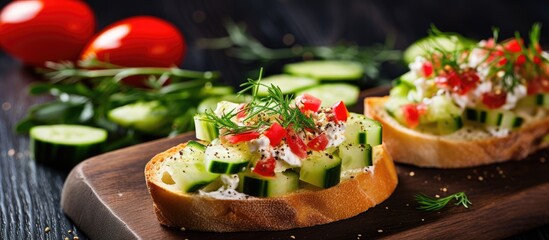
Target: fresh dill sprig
x: 274, y: 104
x: 434, y: 204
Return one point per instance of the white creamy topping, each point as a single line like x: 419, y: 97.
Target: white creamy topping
x: 228, y: 190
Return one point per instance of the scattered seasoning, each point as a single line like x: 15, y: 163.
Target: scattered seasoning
x: 407, y: 204
x: 182, y: 229
x: 70, y: 231
x: 47, y: 229
x: 444, y: 189
x: 387, y: 208
x: 480, y: 178
x: 6, y: 106
x: 11, y: 152
x: 359, y: 235
x: 412, y: 174
x: 380, y: 230
x: 292, y: 237
x: 66, y: 238
x: 437, y: 196
x: 469, y: 177
x: 423, y: 219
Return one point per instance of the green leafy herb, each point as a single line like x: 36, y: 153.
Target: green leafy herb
x: 274, y: 104
x: 434, y: 204
x: 241, y: 45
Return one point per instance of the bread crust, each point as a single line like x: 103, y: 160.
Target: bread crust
x: 295, y: 210
x: 426, y: 150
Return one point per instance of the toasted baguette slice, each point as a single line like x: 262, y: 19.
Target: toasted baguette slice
x: 466, y: 148
x: 299, y: 209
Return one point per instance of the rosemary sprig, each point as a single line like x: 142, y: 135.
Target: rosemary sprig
x: 434, y: 204
x: 274, y: 104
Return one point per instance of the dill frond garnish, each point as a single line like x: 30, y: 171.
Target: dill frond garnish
x: 434, y: 204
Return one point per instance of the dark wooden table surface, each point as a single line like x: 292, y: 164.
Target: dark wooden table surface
x: 30, y: 192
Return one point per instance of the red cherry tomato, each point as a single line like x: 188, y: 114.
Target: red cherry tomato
x: 141, y: 41
x: 296, y: 144
x: 318, y: 143
x: 310, y: 103
x: 411, y: 115
x: 427, y: 69
x: 494, y: 100
x: 242, y: 137
x: 265, y: 167
x: 275, y: 133
x: 37, y: 31
x: 340, y: 111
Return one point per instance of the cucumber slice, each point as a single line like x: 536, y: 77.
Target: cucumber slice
x: 330, y: 94
x: 287, y: 83
x: 210, y: 104
x: 321, y: 169
x: 504, y: 119
x: 227, y: 159
x: 148, y: 117
x: 408, y: 79
x: 428, y: 44
x: 204, y: 129
x: 362, y: 130
x: 355, y: 156
x: 401, y: 90
x: 326, y: 70
x: 187, y: 176
x: 538, y: 100
x: 260, y: 186
x: 441, y: 108
x: 450, y: 125
x: 65, y: 145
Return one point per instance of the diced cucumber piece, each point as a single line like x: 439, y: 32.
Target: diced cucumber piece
x: 330, y: 94
x: 321, y: 169
x: 538, y: 100
x: 401, y: 90
x: 148, y: 117
x: 287, y: 83
x: 393, y: 106
x: 261, y: 186
x: 441, y: 108
x: 187, y: 176
x: 354, y: 156
x: 429, y: 44
x: 362, y: 130
x: 227, y: 158
x: 408, y: 79
x: 210, y: 104
x: 205, y: 130
x: 65, y: 145
x: 449, y: 125
x: 504, y: 119
x: 326, y: 70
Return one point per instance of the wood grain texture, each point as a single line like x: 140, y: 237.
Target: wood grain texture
x: 507, y: 198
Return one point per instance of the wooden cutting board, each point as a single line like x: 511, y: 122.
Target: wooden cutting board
x: 107, y: 198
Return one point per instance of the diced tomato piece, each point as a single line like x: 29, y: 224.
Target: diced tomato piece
x: 241, y: 111
x: 296, y: 144
x: 427, y: 68
x: 411, y: 115
x: 494, y: 100
x: 521, y: 59
x: 265, y: 167
x: 310, y: 103
x: 275, y: 133
x: 242, y: 137
x: 421, y: 108
x: 318, y: 143
x: 538, y: 85
x: 514, y: 45
x: 340, y: 111
x: 536, y: 60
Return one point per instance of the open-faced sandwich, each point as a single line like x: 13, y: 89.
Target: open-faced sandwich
x: 272, y: 164
x: 468, y: 105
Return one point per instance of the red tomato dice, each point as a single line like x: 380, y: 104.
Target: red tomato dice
x: 309, y: 102
x: 340, y: 112
x: 411, y: 115
x: 494, y: 100
x: 318, y: 143
x: 427, y: 69
x: 265, y: 167
x: 296, y: 144
x: 275, y: 133
x: 242, y: 137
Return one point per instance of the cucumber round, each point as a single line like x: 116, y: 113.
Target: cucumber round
x: 326, y: 70
x: 210, y: 104
x: 287, y: 83
x: 321, y: 169
x: 330, y: 94
x: 261, y: 186
x: 428, y: 44
x: 148, y: 117
x: 65, y: 145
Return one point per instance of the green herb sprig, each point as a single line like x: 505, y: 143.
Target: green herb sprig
x: 275, y: 103
x: 434, y: 204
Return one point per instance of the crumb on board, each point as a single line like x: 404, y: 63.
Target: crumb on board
x: 480, y: 178
x: 380, y: 230
x: 542, y: 160
x: 469, y: 177
x: 66, y: 238
x: 6, y: 106
x: 423, y: 219
x: 292, y: 237
x: 182, y: 229
x: 412, y: 173
x: 47, y: 229
x: 75, y: 238
x: 437, y: 196
x: 11, y: 152
x: 444, y: 189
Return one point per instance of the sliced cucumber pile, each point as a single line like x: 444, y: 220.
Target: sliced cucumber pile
x: 537, y: 100
x: 503, y: 119
x: 326, y: 70
x: 260, y: 186
x: 228, y: 159
x: 330, y: 94
x: 429, y: 44
x: 65, y: 145
x: 190, y: 174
